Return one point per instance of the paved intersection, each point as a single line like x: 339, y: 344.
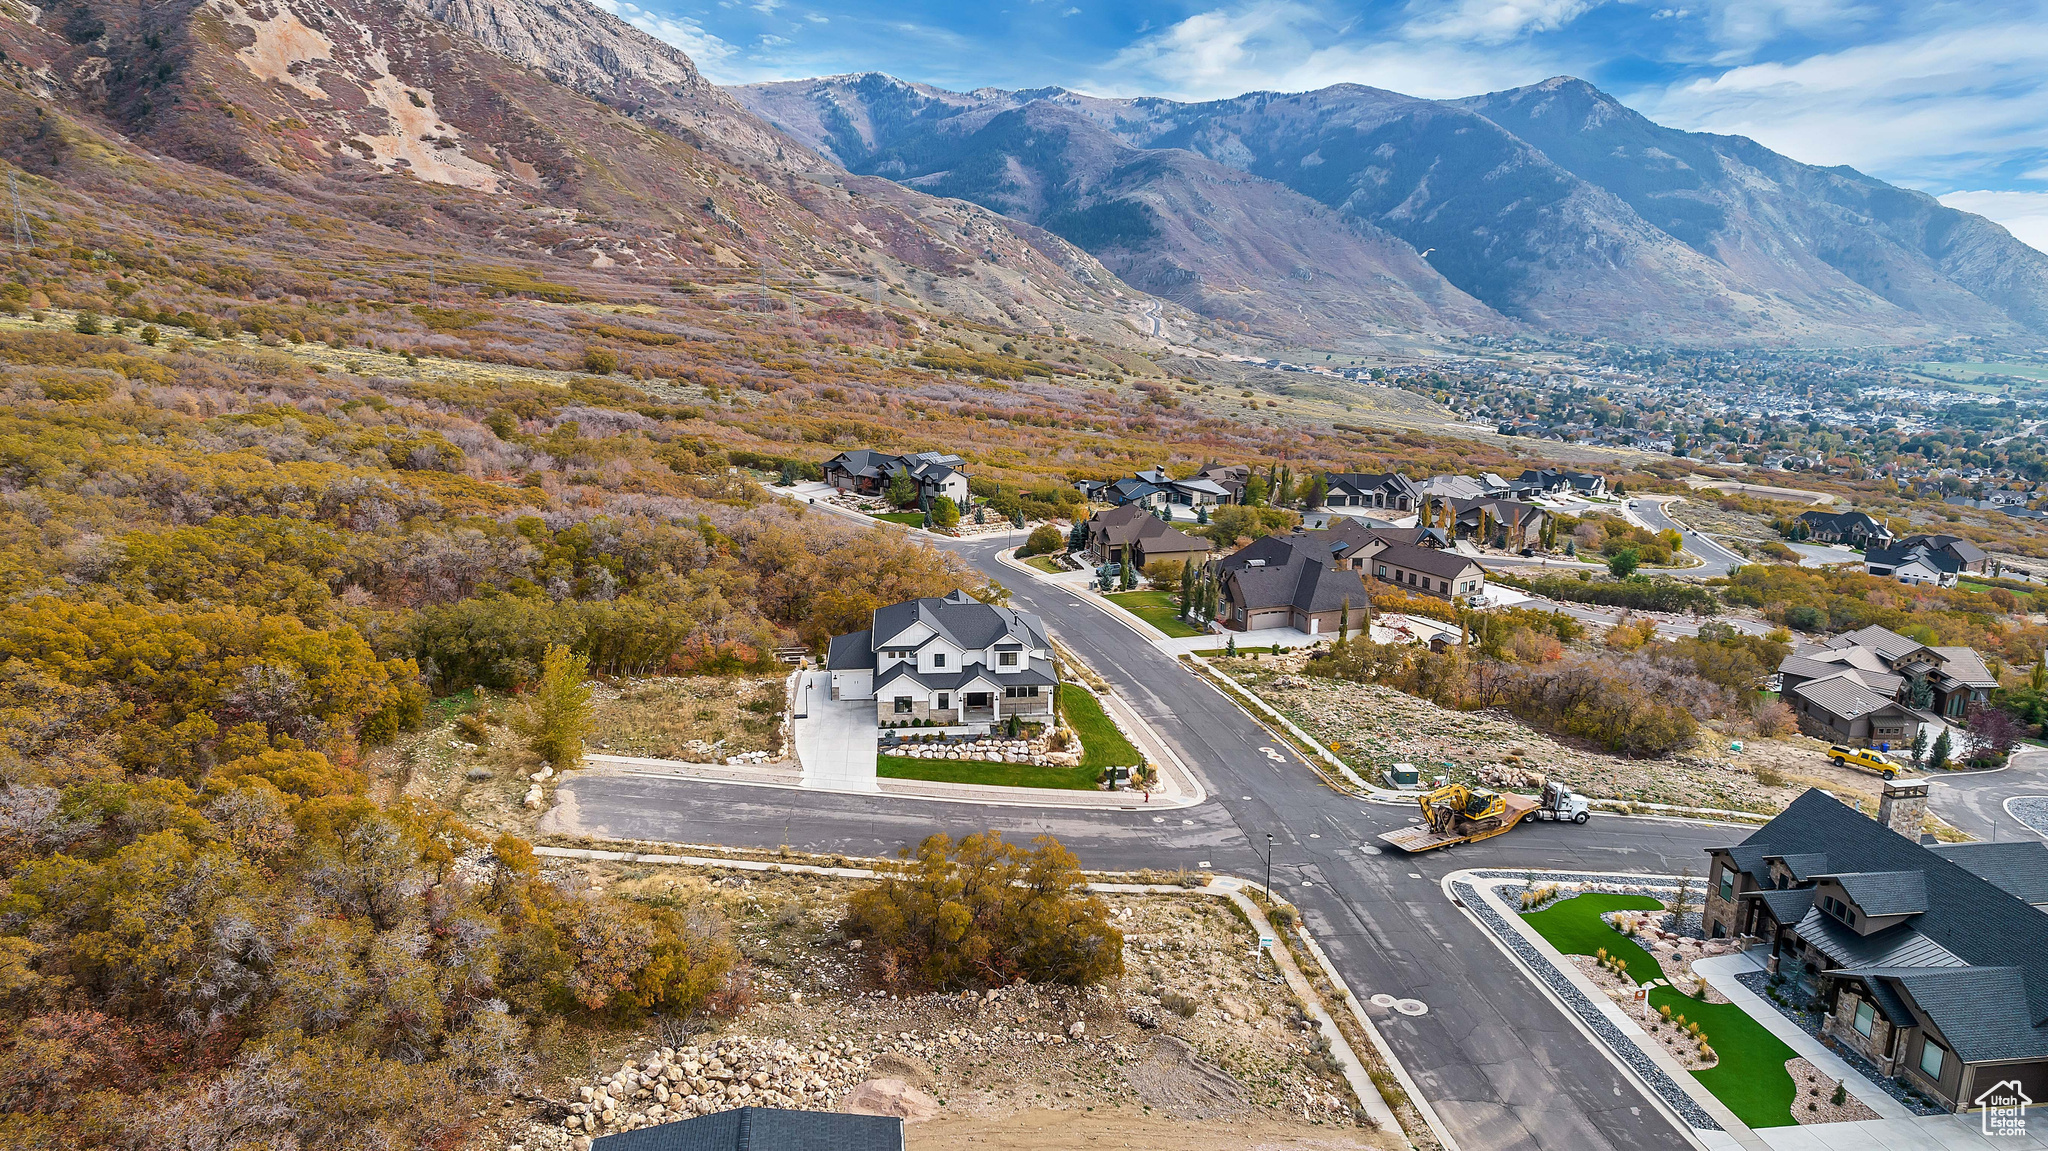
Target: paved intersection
x: 1501, y: 1066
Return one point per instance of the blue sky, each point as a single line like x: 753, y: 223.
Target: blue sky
x: 1951, y: 98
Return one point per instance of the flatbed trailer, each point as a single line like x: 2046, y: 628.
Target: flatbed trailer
x: 1426, y: 838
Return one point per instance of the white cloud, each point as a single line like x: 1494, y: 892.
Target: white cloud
x: 815, y: 18
x: 1287, y: 46
x: 2024, y: 214
x: 706, y: 49
x: 1932, y: 109
x: 1497, y: 21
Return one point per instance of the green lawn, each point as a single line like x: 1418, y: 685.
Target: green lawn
x: 982, y: 771
x: 1573, y: 926
x: 1044, y: 564
x: 1102, y: 745
x: 908, y: 519
x: 1750, y: 1078
x: 1155, y: 608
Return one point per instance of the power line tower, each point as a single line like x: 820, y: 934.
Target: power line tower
x: 24, y: 231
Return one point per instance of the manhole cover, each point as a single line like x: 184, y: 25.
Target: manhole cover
x: 1382, y: 1000
x: 1412, y: 1007
x: 1159, y: 819
x: 1369, y: 849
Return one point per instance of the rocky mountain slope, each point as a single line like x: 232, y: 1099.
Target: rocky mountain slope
x: 549, y: 130
x: 1250, y: 252
x: 1553, y: 205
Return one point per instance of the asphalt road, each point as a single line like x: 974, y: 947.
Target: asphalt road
x: 1501, y: 1065
x: 1974, y: 801
x: 1715, y: 560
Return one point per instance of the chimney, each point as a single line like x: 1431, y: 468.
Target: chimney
x: 1903, y: 807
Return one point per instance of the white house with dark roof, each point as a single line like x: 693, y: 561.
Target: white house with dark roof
x: 1389, y: 491
x: 948, y: 660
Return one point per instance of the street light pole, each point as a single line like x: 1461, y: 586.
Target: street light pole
x: 1269, y: 868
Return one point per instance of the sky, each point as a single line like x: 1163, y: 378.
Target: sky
x: 1950, y: 98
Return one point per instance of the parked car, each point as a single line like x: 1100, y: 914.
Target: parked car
x: 1863, y: 757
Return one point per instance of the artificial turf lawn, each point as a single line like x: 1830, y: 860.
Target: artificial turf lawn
x: 1750, y: 1078
x: 1102, y: 745
x: 1573, y: 926
x: 1155, y: 608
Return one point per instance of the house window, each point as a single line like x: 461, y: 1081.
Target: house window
x: 945, y: 701
x: 903, y: 703
x: 1006, y: 659
x: 1930, y: 1060
x: 938, y: 659
x: 1727, y: 884
x: 1866, y: 1018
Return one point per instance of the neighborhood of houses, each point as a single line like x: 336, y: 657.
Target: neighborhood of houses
x: 1916, y: 559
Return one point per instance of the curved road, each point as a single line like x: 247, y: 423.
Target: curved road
x: 1715, y: 560
x: 1502, y: 1067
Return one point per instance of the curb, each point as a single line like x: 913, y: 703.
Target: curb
x: 1690, y: 1108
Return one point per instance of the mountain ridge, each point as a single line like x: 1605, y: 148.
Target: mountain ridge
x: 1510, y: 194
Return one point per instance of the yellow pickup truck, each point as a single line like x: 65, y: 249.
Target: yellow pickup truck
x: 1863, y: 757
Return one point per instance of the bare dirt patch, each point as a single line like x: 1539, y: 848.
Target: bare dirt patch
x: 700, y: 719
x: 1198, y: 1045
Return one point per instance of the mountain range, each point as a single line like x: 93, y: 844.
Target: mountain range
x: 553, y: 131
x: 530, y: 129
x: 1550, y: 207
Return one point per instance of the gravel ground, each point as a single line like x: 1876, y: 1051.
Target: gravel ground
x: 1197, y: 1034
x: 2031, y: 810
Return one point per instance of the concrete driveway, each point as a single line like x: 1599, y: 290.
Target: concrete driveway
x: 835, y: 739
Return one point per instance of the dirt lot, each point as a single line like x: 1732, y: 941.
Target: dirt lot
x: 1372, y: 727
x: 702, y: 719
x: 1198, y: 1045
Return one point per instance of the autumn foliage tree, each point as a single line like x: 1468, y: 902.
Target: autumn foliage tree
x: 984, y: 911
x: 558, y: 714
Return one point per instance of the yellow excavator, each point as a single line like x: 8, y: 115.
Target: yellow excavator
x: 1460, y: 814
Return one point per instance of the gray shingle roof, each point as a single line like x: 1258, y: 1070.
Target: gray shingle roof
x: 1787, y: 906
x: 1965, y: 666
x: 1434, y: 561
x: 1884, y: 893
x: 851, y: 652
x: 1971, y: 1007
x: 1884, y: 641
x: 1845, y: 694
x: 1034, y: 671
x: 1805, y: 865
x: 764, y: 1129
x: 2020, y: 869
x: 960, y: 618
x: 1967, y: 915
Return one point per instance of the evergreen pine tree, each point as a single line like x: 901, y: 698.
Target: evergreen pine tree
x: 1938, y: 758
